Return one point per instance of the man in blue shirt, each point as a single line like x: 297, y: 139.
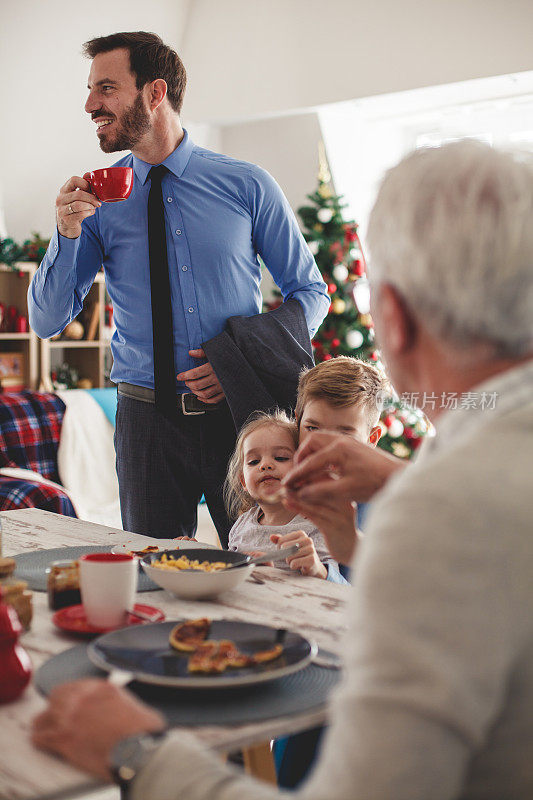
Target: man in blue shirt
x: 219, y: 215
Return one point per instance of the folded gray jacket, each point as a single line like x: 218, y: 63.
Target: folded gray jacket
x: 258, y: 360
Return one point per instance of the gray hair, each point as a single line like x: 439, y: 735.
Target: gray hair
x: 452, y: 231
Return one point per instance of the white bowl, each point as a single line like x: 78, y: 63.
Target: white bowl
x: 197, y: 584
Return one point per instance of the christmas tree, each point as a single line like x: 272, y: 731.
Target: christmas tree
x: 348, y: 328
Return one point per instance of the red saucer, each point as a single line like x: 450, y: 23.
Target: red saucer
x: 73, y: 619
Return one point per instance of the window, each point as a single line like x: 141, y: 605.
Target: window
x: 366, y: 137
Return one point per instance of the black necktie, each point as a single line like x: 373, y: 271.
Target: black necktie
x: 164, y: 371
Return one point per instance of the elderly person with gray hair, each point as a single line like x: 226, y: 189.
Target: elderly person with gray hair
x: 437, y: 700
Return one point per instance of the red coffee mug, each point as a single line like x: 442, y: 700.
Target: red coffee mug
x: 111, y: 184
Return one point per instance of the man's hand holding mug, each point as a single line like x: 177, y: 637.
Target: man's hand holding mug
x: 80, y: 197
x: 73, y: 204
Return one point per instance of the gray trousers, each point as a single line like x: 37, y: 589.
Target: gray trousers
x: 164, y: 468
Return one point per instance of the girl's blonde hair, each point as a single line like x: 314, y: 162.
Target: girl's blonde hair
x: 236, y: 498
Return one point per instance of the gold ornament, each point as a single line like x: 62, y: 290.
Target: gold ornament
x: 366, y: 320
x: 324, y: 191
x: 318, y: 227
x: 338, y: 306
x: 400, y: 450
x: 324, y: 175
x: 74, y: 330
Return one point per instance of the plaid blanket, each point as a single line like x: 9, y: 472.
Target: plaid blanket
x: 30, y: 427
x: 17, y: 493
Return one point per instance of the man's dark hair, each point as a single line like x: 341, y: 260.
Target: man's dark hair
x: 150, y: 58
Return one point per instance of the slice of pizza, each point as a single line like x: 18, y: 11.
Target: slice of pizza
x: 189, y: 635
x: 213, y: 657
x: 151, y: 548
x: 263, y: 656
x: 204, y: 659
x: 233, y: 656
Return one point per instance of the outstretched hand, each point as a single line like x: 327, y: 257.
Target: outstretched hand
x: 336, y: 467
x: 334, y: 519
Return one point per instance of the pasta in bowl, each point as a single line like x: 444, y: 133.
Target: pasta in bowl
x: 197, y: 572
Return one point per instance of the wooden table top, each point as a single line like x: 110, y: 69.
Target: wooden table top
x: 313, y: 607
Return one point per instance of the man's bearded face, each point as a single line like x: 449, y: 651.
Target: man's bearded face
x: 125, y: 131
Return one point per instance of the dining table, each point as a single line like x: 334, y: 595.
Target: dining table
x: 310, y: 606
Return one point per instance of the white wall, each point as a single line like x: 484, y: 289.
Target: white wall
x: 245, y: 59
x: 285, y: 146
x: 258, y: 57
x: 45, y: 135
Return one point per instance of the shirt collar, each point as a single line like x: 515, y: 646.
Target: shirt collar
x: 175, y: 162
x: 495, y: 397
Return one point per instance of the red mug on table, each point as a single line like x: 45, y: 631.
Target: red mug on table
x: 108, y: 582
x: 111, y: 184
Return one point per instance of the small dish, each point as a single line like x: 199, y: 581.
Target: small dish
x: 161, y: 544
x: 73, y: 619
x: 195, y: 584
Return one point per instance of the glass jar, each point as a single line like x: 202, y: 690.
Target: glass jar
x: 15, y: 593
x: 63, y: 584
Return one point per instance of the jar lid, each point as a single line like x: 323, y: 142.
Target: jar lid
x: 62, y: 565
x: 7, y: 566
x: 9, y: 587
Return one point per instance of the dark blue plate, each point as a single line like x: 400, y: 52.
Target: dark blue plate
x: 145, y: 652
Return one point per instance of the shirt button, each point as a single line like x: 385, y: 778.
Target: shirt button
x: 190, y: 309
x: 169, y: 199
x: 185, y: 268
x: 178, y: 232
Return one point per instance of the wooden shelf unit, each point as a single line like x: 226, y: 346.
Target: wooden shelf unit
x: 88, y: 357
x: 91, y: 358
x: 13, y: 290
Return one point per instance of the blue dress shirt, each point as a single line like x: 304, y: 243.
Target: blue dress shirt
x: 220, y: 215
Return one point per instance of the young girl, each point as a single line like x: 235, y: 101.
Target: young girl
x: 263, y: 456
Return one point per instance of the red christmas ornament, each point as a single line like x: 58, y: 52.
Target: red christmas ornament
x: 415, y: 442
x: 21, y: 324
x: 373, y: 356
x: 332, y: 288
x: 335, y: 342
x: 11, y: 319
x: 350, y: 235
x: 409, y: 433
x: 388, y: 420
x: 358, y: 267
x: 15, y: 664
x: 327, y: 356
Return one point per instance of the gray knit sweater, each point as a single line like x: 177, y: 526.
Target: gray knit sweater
x: 437, y: 700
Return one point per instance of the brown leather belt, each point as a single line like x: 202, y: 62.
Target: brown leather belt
x: 187, y: 403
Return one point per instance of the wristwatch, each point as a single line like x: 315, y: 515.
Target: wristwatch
x: 130, y: 755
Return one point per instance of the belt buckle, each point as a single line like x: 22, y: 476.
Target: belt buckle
x: 184, y: 410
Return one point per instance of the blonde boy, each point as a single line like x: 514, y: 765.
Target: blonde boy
x: 342, y: 395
